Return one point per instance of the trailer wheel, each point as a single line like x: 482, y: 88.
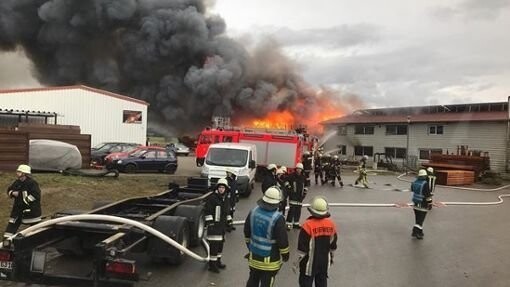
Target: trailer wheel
x: 174, y: 227
x: 196, y: 221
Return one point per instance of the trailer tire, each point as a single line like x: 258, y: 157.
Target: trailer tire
x: 175, y: 227
x: 196, y: 221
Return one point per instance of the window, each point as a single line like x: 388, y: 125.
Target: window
x: 436, y: 130
x: 341, y: 131
x: 150, y: 154
x: 396, y: 130
x: 342, y: 149
x: 227, y: 139
x: 363, y: 150
x: 395, y: 152
x: 364, y: 130
x: 425, y: 153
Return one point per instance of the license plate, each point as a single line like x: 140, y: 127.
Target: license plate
x: 6, y: 265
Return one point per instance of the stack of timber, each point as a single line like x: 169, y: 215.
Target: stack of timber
x: 476, y: 164
x: 455, y: 177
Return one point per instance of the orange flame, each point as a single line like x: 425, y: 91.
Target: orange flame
x: 275, y: 120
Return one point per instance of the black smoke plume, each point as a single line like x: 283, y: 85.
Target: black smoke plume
x: 170, y: 53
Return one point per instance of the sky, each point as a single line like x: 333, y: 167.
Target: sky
x: 388, y: 53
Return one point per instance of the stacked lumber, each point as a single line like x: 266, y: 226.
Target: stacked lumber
x: 455, y: 177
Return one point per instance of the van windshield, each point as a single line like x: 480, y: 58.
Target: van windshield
x: 226, y: 157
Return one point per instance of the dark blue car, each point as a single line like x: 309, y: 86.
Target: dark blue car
x: 148, y: 160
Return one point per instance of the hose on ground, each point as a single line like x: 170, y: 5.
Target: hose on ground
x: 110, y: 218
x: 91, y: 173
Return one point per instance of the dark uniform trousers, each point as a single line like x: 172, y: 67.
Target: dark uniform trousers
x: 266, y: 278
x: 321, y: 280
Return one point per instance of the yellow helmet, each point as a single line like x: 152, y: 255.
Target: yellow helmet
x: 319, y: 206
x: 24, y: 169
x: 272, y: 195
x: 222, y: 181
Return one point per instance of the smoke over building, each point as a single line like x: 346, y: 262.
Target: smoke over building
x: 170, y: 53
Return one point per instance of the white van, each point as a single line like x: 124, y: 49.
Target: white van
x: 238, y: 157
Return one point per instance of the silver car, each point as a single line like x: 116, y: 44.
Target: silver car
x: 179, y: 148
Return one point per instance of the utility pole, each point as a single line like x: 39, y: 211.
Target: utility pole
x: 407, y: 144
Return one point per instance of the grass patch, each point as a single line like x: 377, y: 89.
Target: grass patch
x: 74, y: 192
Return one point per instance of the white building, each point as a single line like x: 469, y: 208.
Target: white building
x: 419, y: 131
x: 104, y: 115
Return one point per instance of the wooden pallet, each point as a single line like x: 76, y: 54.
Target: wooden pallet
x: 455, y: 177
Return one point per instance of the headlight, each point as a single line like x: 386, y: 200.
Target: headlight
x: 119, y: 161
x: 205, y: 169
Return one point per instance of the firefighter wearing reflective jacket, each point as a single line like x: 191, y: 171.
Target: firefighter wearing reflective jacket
x: 421, y: 201
x: 362, y: 170
x: 316, y: 244
x: 297, y: 194
x: 233, y: 196
x: 26, y: 208
x: 217, y: 217
x: 432, y: 182
x: 266, y: 239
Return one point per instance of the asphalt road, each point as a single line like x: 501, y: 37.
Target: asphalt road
x: 463, y: 245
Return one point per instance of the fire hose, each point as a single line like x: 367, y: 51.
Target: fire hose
x: 110, y: 218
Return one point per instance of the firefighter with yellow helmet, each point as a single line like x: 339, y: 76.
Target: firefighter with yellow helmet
x: 266, y: 239
x: 217, y: 218
x: 26, y: 193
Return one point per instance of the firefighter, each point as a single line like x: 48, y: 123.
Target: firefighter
x: 334, y: 171
x: 284, y: 185
x: 270, y: 177
x: 266, y: 239
x: 316, y: 243
x: 421, y: 201
x: 26, y: 208
x: 317, y: 169
x: 362, y: 170
x: 233, y: 196
x: 217, y: 218
x: 299, y: 188
x: 307, y: 163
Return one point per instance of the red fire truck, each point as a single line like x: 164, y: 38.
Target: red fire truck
x: 282, y: 147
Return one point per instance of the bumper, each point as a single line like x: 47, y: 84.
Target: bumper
x: 243, y: 185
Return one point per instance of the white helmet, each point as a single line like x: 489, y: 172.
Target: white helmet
x: 284, y: 168
x: 272, y: 195
x: 280, y: 171
x: 271, y: 166
x: 299, y: 165
x: 430, y: 169
x: 222, y: 181
x: 319, y: 206
x: 24, y: 169
x: 365, y: 157
x: 422, y: 172
x: 335, y: 156
x: 230, y: 170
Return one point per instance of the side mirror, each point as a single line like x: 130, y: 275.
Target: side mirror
x: 252, y: 164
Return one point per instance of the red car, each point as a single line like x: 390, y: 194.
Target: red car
x: 120, y: 155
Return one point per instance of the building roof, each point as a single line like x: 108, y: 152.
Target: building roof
x: 80, y: 87
x: 428, y: 114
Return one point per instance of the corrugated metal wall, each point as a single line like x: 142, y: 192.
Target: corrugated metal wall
x: 97, y: 114
x: 484, y: 136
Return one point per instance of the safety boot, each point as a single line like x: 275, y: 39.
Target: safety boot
x: 220, y: 264
x: 213, y: 267
x: 296, y: 226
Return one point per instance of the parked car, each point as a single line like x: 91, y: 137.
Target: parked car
x: 149, y: 160
x: 179, y: 148
x: 99, y: 152
x: 108, y: 160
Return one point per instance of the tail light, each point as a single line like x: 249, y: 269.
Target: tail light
x: 6, y: 255
x: 121, y: 268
